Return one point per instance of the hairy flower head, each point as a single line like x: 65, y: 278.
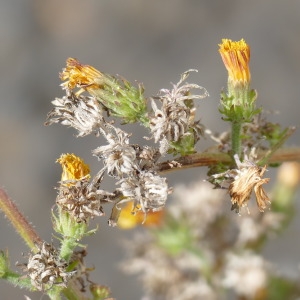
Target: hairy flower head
x: 236, y: 57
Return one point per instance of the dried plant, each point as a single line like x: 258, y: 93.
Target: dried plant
x: 194, y: 247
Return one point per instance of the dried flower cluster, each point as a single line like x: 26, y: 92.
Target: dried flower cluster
x: 134, y: 167
x: 45, y: 268
x: 193, y: 249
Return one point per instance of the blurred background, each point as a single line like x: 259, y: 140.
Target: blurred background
x: 149, y: 41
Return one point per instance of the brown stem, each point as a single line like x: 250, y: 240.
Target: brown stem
x: 22, y: 226
x: 210, y: 159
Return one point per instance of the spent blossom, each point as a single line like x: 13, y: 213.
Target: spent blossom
x: 82, y: 113
x: 45, y: 268
x: 148, y: 190
x: 119, y: 156
x: 243, y: 180
x: 77, y: 195
x: 175, y: 118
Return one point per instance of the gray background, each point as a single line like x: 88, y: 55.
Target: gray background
x: 153, y: 42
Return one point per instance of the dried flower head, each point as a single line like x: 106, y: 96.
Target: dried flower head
x: 175, y: 118
x: 148, y: 191
x: 244, y: 179
x: 82, y: 199
x: 119, y: 156
x: 73, y: 167
x: 45, y: 268
x: 80, y: 76
x: 236, y: 57
x: 82, y: 113
x: 77, y: 195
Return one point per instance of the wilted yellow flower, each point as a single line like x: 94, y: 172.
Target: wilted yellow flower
x: 73, y: 167
x: 244, y: 179
x: 131, y: 217
x: 236, y: 57
x: 119, y: 97
x: 249, y: 178
x: 84, y: 77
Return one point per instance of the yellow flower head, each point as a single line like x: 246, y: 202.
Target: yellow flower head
x: 73, y: 167
x: 132, y: 217
x: 83, y: 76
x: 236, y: 57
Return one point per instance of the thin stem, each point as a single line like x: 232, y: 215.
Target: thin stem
x: 236, y: 138
x: 17, y: 280
x: 72, y: 292
x: 210, y: 159
x: 19, y: 222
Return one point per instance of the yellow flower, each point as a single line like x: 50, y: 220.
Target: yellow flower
x: 73, y: 167
x: 84, y: 77
x: 236, y: 57
x: 131, y: 217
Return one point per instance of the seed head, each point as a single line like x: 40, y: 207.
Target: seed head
x: 45, y: 268
x: 85, y: 114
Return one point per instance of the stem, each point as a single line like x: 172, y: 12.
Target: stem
x: 17, y: 280
x: 67, y: 247
x: 210, y: 159
x: 72, y: 292
x: 19, y: 222
x: 236, y: 138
